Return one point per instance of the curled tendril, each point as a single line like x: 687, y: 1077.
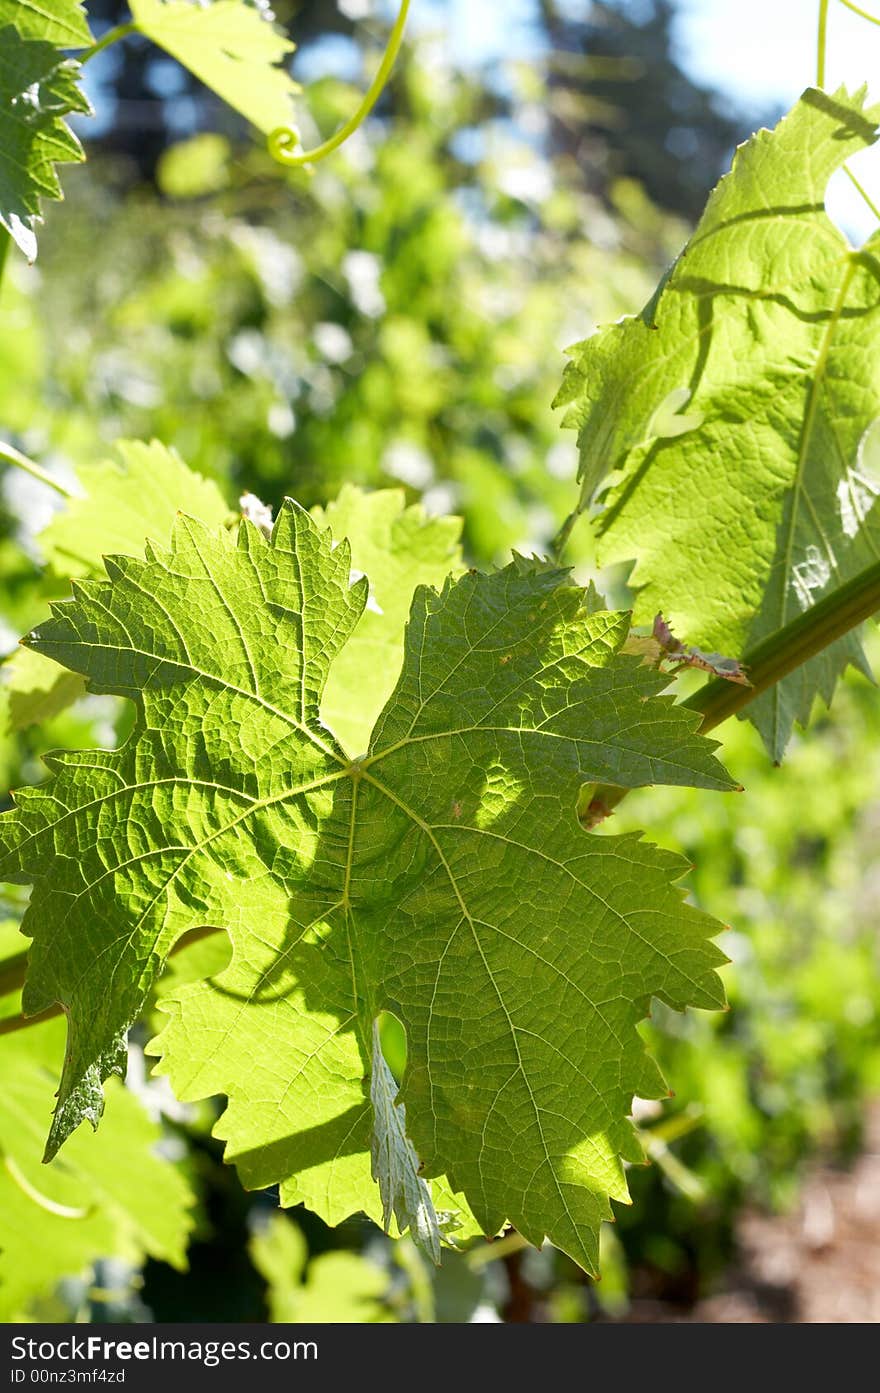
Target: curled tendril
x: 284, y: 143
x: 61, y: 1211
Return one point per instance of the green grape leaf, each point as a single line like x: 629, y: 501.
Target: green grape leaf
x: 208, y: 957
x: 443, y: 878
x: 121, y: 504
x: 398, y: 548
x: 37, y: 688
x: 337, y: 1288
x: 38, y: 89
x: 60, y: 22
x: 13, y: 951
x: 195, y: 167
x: 109, y: 1196
x: 124, y: 503
x: 732, y: 426
x: 231, y: 48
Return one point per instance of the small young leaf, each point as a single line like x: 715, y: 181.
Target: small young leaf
x: 336, y: 1288
x: 661, y: 646
x: 405, y: 1195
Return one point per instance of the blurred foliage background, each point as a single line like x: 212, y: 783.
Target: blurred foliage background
x: 399, y: 318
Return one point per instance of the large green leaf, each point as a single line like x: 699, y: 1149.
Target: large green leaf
x: 123, y: 503
x: 61, y: 22
x: 37, y: 689
x: 110, y: 1196
x: 444, y: 877
x: 398, y: 548
x: 120, y: 505
x: 38, y: 89
x: 452, y: 1218
x: 737, y: 416
x: 230, y: 47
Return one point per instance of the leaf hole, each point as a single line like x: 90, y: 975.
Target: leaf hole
x: 845, y: 206
x: 392, y: 1036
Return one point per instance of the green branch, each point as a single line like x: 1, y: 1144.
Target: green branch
x: 766, y: 664
x: 791, y: 647
x: 495, y: 1249
x: 14, y: 970
x: 12, y: 974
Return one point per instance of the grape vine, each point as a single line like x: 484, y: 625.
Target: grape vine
x: 382, y: 778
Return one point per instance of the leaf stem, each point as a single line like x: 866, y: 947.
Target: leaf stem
x: 284, y: 141
x: 14, y: 970
x: 560, y: 541
x: 120, y: 31
x: 10, y: 455
x: 677, y: 1173
x: 410, y: 1259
